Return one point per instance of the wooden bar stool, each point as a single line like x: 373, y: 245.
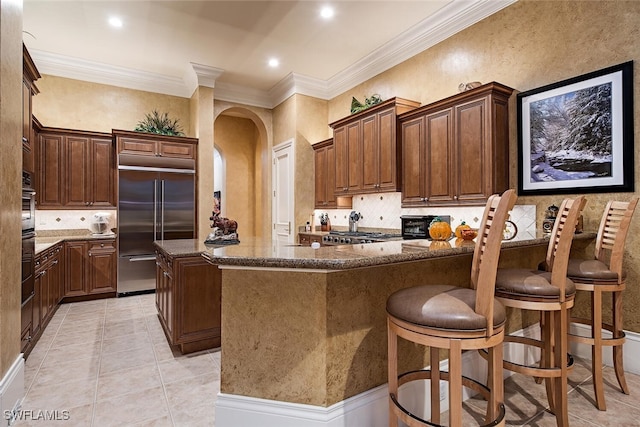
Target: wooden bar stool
x: 603, y: 273
x: 552, y: 294
x: 457, y: 319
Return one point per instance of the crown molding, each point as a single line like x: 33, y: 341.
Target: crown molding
x: 451, y: 19
x: 96, y: 72
x: 454, y: 17
x: 242, y: 95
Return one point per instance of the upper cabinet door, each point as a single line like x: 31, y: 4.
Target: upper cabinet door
x: 413, y: 170
x: 78, y: 187
x: 388, y: 151
x: 440, y: 153
x: 50, y: 168
x: 471, y: 143
x: 103, y: 175
x: 354, y: 157
x: 370, y: 153
x: 342, y: 160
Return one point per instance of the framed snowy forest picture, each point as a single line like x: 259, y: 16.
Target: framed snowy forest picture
x: 576, y: 136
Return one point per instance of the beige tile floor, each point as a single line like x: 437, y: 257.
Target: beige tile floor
x: 108, y: 363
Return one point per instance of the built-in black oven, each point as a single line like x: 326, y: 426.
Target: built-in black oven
x: 28, y: 204
x: 28, y: 236
x: 28, y: 265
x: 417, y: 226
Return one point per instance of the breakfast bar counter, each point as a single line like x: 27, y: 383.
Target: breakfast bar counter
x: 308, y: 326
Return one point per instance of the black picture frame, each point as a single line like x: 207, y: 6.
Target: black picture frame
x: 576, y: 136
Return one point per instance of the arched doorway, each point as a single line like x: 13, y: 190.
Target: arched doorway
x: 240, y: 139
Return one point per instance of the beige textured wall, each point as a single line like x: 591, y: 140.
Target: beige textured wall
x: 284, y: 121
x: 236, y: 139
x: 11, y: 178
x: 75, y: 104
x: 528, y: 45
x: 305, y: 119
x: 311, y: 127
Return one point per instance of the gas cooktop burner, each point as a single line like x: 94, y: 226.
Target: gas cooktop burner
x: 364, y: 234
x: 351, y: 237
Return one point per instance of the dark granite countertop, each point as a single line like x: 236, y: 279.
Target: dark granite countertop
x: 252, y: 252
x: 47, y: 238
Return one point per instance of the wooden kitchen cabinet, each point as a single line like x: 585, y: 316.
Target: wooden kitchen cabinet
x: 50, y: 171
x: 90, y: 269
x: 29, y: 75
x: 76, y: 169
x: 456, y: 151
x: 188, y: 299
x: 325, y: 176
x: 48, y: 279
x: 91, y: 172
x: 147, y: 144
x: 367, y: 153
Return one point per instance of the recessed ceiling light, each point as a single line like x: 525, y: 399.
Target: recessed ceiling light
x: 273, y: 62
x: 114, y: 21
x: 327, y: 12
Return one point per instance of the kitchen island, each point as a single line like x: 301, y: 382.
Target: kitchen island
x: 304, y: 330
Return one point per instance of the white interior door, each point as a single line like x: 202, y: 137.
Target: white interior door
x: 283, y: 216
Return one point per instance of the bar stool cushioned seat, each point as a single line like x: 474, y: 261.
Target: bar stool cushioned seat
x: 519, y: 282
x: 442, y: 307
x: 456, y: 319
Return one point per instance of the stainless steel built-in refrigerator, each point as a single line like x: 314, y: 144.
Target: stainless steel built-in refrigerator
x: 156, y: 201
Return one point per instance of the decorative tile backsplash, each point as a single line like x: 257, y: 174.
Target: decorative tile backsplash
x: 383, y: 211
x: 70, y: 219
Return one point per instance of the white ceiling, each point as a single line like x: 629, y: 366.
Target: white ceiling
x: 172, y: 46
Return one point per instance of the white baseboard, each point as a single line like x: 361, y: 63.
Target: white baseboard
x: 631, y: 348
x: 370, y: 409
x: 11, y: 390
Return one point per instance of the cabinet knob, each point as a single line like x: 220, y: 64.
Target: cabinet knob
x: 455, y: 197
x: 102, y: 245
x: 89, y: 253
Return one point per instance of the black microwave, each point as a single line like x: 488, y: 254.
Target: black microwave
x: 417, y: 226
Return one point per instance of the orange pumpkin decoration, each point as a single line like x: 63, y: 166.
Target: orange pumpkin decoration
x: 463, y: 226
x: 439, y: 229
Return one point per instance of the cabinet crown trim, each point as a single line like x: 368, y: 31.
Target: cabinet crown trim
x: 493, y: 87
x: 399, y: 103
x: 119, y: 133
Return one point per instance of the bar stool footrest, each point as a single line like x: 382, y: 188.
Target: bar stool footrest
x: 425, y: 374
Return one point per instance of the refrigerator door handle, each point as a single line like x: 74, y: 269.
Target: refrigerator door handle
x: 162, y: 209
x: 155, y: 209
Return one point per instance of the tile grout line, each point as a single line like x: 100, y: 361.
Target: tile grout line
x: 95, y: 391
x: 155, y: 357
x: 37, y: 370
